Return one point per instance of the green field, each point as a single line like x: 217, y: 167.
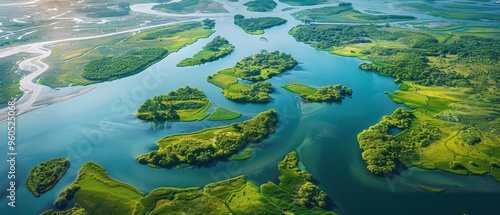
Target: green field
x: 69, y: 60
x: 45, y: 175
x: 95, y: 192
x: 222, y: 113
x: 346, y: 14
x: 215, y: 49
x: 298, y: 88
x: 210, y: 145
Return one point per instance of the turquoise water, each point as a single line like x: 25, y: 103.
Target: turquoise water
x: 100, y: 126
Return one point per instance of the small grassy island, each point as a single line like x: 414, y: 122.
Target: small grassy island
x: 210, y: 145
x: 296, y: 193
x: 183, y: 104
x: 303, y: 2
x: 257, y: 26
x: 261, y: 5
x: 45, y: 175
x: 215, y: 49
x: 328, y: 93
x: 345, y: 13
x: 258, y: 67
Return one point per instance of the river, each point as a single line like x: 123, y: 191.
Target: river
x: 99, y: 126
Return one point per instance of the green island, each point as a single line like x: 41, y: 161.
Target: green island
x: 191, y: 6
x: 210, y: 145
x: 256, y: 26
x: 303, y: 2
x: 93, y: 61
x: 97, y: 193
x: 215, y: 49
x: 335, y: 93
x: 425, y: 8
x: 449, y: 80
x: 222, y: 113
x: 183, y: 104
x: 261, y: 5
x: 258, y: 67
x: 45, y: 175
x: 345, y: 13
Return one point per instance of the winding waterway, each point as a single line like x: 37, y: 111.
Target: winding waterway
x: 99, y: 126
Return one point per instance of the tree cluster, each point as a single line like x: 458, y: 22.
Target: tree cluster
x: 255, y: 24
x: 106, y: 10
x: 381, y: 151
x: 209, y: 23
x: 132, y: 62
x: 328, y: 94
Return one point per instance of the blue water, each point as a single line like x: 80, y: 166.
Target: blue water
x: 100, y: 126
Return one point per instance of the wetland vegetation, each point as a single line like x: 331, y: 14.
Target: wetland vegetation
x: 215, y: 49
x: 191, y: 6
x: 257, y: 26
x: 335, y: 93
x: 261, y: 5
x: 345, y: 13
x: 256, y: 68
x: 183, y: 104
x: 93, y: 61
x: 448, y: 79
x: 45, y: 175
x: 94, y: 190
x: 210, y: 145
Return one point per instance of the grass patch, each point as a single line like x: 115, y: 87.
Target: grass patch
x: 222, y: 113
x: 322, y: 94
